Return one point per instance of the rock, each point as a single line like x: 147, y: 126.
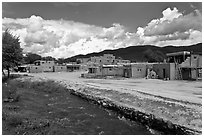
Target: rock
x: 104, y: 104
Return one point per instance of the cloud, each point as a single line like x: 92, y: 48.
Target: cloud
x: 173, y: 21
x: 173, y: 27
x: 65, y: 38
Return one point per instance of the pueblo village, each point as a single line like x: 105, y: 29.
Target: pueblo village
x: 133, y: 90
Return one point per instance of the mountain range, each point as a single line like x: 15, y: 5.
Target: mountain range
x: 137, y: 53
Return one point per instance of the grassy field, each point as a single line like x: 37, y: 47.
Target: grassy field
x: 25, y: 107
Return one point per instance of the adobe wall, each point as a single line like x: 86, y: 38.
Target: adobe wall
x: 139, y: 70
x: 162, y: 70
x: 112, y: 71
x: 172, y: 71
x: 60, y: 68
x: 35, y: 69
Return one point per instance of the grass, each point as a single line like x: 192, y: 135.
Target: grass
x: 27, y: 112
x: 12, y: 76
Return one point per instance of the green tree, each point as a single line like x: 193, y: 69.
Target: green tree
x: 153, y: 56
x: 11, y: 51
x: 60, y: 60
x: 30, y: 58
x: 49, y: 58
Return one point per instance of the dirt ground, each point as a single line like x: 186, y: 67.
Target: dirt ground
x: 177, y: 101
x: 189, y: 91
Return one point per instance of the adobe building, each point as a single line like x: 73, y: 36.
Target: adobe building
x: 108, y: 59
x: 165, y: 70
x: 96, y: 70
x: 73, y: 67
x: 127, y: 71
x: 42, y: 66
x: 192, y: 67
x: 139, y: 70
x: 188, y: 66
x: 112, y: 70
x: 35, y: 69
x: 59, y: 68
x: 122, y: 61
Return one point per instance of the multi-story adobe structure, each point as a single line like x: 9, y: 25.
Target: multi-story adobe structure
x: 188, y: 65
x: 41, y: 66
x: 179, y: 66
x: 107, y: 59
x: 82, y: 60
x: 48, y: 66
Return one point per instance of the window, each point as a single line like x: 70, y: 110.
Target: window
x: 110, y: 69
x: 49, y: 67
x: 139, y: 69
x: 43, y: 62
x: 36, y: 68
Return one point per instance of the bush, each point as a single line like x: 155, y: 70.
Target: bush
x: 47, y: 86
x: 12, y: 76
x: 15, y: 119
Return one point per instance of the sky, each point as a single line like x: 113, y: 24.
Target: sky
x: 65, y: 29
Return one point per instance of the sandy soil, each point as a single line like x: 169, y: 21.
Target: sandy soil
x: 190, y: 91
x: 177, y: 101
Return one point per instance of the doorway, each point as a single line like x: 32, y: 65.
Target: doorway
x: 164, y: 73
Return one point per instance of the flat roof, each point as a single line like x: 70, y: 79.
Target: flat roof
x: 72, y: 65
x: 108, y: 66
x: 178, y: 53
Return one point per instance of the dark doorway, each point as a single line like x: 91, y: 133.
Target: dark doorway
x: 164, y: 73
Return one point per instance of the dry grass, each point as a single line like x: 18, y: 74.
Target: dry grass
x: 26, y: 111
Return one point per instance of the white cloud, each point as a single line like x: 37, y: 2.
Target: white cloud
x: 169, y: 14
x: 64, y: 38
x: 173, y: 28
x: 173, y: 21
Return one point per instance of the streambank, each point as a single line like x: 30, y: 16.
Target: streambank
x: 149, y: 120
x: 157, y: 113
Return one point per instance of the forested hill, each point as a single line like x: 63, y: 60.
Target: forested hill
x: 141, y: 52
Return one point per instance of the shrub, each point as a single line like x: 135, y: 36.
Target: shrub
x: 15, y: 119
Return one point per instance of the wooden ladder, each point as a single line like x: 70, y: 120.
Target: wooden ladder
x: 178, y: 71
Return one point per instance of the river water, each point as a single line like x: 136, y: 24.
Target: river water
x: 82, y: 117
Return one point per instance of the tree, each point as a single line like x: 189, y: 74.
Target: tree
x: 49, y: 58
x: 153, y: 56
x: 60, y: 60
x: 30, y: 58
x: 11, y: 51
